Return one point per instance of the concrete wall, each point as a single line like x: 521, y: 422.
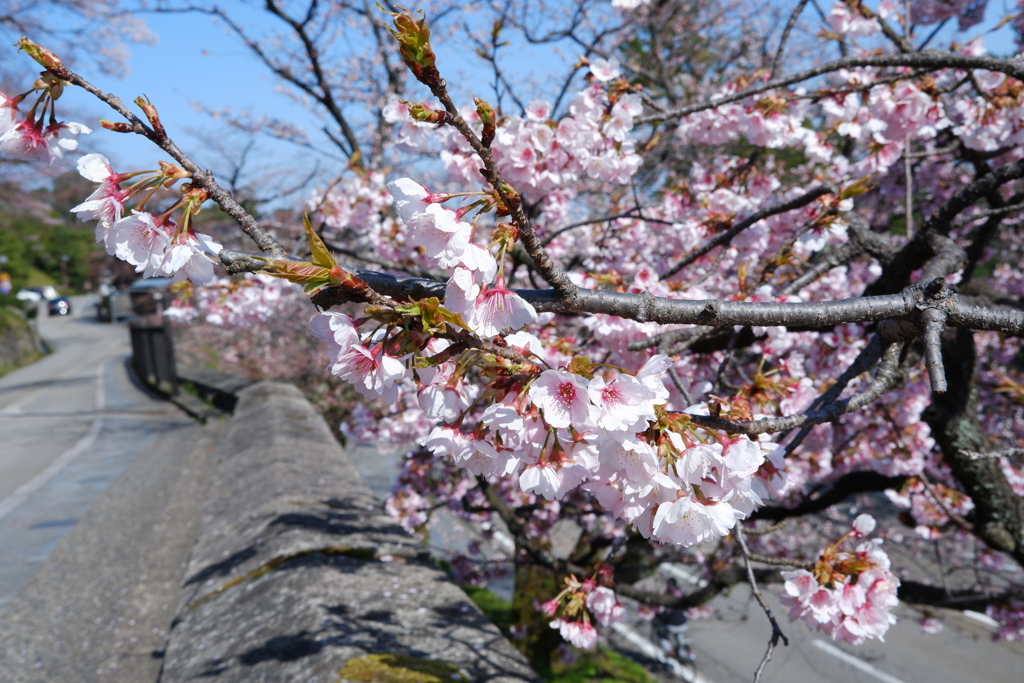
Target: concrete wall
x: 298, y: 575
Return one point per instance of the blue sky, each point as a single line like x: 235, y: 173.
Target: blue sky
x: 193, y: 61
x: 196, y: 60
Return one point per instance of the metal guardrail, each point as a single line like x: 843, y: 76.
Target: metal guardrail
x: 153, y: 354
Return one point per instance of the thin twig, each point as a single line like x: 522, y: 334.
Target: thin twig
x: 928, y: 59
x: 724, y: 238
x: 777, y: 633
x: 794, y: 15
x: 546, y: 266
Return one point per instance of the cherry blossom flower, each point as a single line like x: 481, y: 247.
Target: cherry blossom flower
x: 498, y: 308
x: 8, y: 113
x: 629, y: 4
x: 863, y: 525
x: 850, y: 595
x: 581, y: 634
x: 337, y: 330
x: 603, y: 604
x: 563, y: 398
x: 686, y: 522
x: 604, y: 70
x: 106, y: 204
x: 371, y: 372
x: 49, y: 142
x: 621, y: 403
x: 538, y: 110
x: 142, y: 240
x: 847, y: 22
x: 410, y: 198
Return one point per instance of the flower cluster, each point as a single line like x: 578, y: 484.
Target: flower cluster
x: 233, y: 304
x: 1010, y: 617
x: 372, y: 371
x: 38, y: 136
x: 576, y: 604
x: 849, y: 595
x: 156, y: 244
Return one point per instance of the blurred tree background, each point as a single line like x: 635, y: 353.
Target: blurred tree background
x: 43, y: 242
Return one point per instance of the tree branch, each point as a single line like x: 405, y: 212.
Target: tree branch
x: 724, y: 238
x: 928, y: 59
x: 200, y: 178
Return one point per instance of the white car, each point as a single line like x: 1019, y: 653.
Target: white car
x: 37, y: 294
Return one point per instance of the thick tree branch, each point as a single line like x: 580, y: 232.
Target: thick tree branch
x: 644, y: 307
x: 953, y: 417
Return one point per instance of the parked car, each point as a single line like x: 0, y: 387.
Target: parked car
x: 36, y: 294
x: 59, y: 306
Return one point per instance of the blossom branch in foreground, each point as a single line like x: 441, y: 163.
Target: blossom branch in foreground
x: 204, y: 179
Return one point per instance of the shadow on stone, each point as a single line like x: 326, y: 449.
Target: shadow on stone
x: 283, y: 649
x: 222, y: 568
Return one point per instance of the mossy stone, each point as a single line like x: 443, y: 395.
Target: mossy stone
x: 392, y: 668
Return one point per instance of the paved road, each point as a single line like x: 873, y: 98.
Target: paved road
x: 69, y: 424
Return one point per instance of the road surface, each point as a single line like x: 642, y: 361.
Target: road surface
x: 69, y: 424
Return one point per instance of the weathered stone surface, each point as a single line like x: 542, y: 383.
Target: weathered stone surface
x: 297, y: 570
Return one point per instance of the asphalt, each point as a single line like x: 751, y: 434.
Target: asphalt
x: 100, y: 488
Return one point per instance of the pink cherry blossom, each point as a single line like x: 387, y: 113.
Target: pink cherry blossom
x: 45, y: 143
x: 106, y: 205
x: 142, y: 240
x: 372, y: 373
x: 863, y: 525
x: 563, y: 398
x: 581, y: 634
x: 498, y: 308
x: 603, y: 604
x: 604, y: 70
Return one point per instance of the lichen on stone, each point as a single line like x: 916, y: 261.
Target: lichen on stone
x: 394, y: 668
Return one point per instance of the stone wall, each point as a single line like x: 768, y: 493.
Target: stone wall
x: 19, y: 343
x: 298, y: 575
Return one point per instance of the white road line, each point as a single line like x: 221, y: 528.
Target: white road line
x: 982, y: 619
x: 654, y: 652
x: 26, y: 490
x: 504, y: 540
x: 855, y: 662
